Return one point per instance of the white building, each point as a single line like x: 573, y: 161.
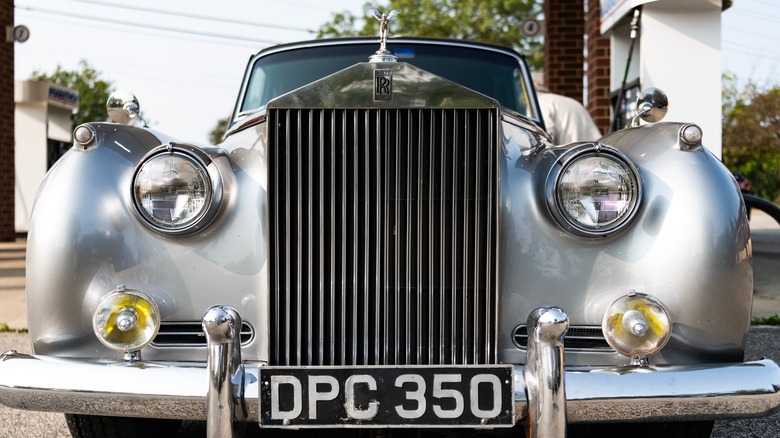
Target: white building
x: 677, y: 48
x: 43, y: 128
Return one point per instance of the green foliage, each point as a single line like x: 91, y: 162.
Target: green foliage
x: 490, y: 21
x: 218, y: 132
x: 751, y: 135
x: 771, y: 320
x: 5, y: 329
x: 93, y: 91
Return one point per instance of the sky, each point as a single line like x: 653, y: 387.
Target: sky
x: 184, y: 66
x: 750, y: 41
x: 184, y: 59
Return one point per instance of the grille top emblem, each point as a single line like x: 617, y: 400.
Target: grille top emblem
x: 383, y: 85
x: 383, y: 55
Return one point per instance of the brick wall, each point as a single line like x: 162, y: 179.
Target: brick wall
x: 598, y: 101
x: 564, y: 47
x: 7, y: 227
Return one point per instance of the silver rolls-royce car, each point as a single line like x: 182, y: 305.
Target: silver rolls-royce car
x: 388, y: 243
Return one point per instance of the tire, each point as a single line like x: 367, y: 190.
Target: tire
x: 93, y: 426
x: 689, y: 429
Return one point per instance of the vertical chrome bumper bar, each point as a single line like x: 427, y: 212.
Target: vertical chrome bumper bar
x: 544, y: 374
x: 224, y: 402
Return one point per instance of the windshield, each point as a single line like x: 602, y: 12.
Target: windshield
x: 491, y: 73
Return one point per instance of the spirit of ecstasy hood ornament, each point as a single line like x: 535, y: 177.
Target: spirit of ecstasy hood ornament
x: 383, y: 55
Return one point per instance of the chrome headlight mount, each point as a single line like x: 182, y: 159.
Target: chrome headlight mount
x: 177, y: 189
x: 593, y: 190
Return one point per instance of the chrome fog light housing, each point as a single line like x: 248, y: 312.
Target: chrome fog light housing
x: 126, y: 320
x: 176, y: 190
x: 593, y: 191
x: 636, y: 325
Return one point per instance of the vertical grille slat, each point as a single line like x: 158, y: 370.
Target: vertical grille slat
x: 299, y: 288
x: 379, y: 254
x: 455, y: 231
x: 420, y: 239
x: 383, y: 236
x: 491, y: 245
x: 442, y: 238
x: 477, y: 224
x: 320, y: 311
x: 287, y: 247
x: 336, y: 285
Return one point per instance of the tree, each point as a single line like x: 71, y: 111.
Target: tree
x: 491, y: 21
x: 218, y: 132
x: 93, y: 91
x: 751, y: 135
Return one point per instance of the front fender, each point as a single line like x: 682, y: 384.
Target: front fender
x: 86, y: 239
x: 688, y: 245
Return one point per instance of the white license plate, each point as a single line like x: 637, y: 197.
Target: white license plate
x: 406, y: 396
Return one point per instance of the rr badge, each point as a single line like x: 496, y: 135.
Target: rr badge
x: 383, y: 85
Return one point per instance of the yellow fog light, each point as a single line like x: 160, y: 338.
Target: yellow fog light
x: 126, y: 320
x: 636, y: 325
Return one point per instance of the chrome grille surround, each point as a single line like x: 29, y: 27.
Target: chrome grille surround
x: 383, y: 236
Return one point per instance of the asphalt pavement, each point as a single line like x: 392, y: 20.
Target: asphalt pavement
x: 765, y: 233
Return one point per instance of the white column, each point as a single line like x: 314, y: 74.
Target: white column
x: 680, y: 53
x: 29, y: 156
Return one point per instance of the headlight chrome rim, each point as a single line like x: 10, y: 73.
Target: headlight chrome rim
x: 204, y: 167
x: 578, y: 155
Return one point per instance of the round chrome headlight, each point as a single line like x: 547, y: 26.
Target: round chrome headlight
x: 636, y: 325
x: 594, y: 191
x: 126, y: 320
x: 176, y: 191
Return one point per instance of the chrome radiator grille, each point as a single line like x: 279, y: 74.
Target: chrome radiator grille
x: 383, y: 236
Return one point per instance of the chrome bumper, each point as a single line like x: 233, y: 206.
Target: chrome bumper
x: 226, y: 390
